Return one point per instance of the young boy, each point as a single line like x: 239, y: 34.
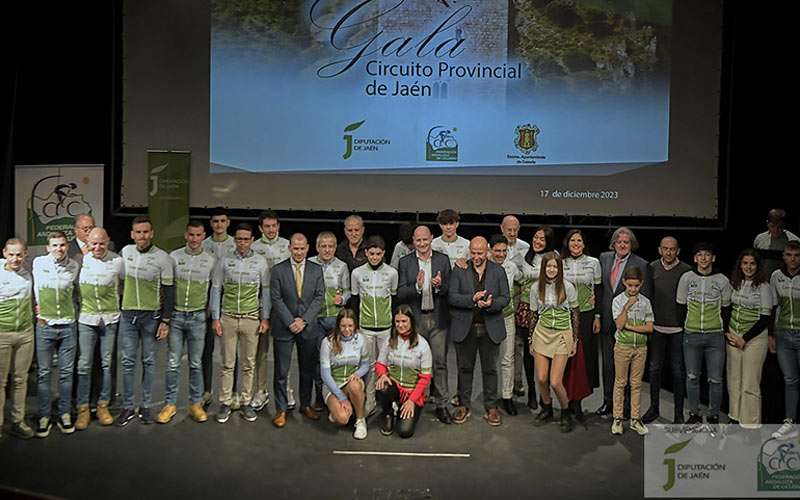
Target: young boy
x: 450, y: 243
x: 634, y: 318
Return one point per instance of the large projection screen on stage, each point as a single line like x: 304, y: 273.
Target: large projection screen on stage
x: 574, y: 107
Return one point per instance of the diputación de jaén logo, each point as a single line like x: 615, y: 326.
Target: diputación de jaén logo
x: 361, y: 144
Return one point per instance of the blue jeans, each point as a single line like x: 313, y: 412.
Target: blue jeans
x: 62, y: 339
x: 87, y: 337
x: 712, y: 347
x: 788, y: 351
x: 190, y: 326
x: 135, y: 325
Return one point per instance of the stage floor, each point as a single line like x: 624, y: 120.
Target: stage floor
x: 184, y: 459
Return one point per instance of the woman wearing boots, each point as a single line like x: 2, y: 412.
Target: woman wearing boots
x: 404, y: 369
x: 554, y: 338
x: 581, y: 375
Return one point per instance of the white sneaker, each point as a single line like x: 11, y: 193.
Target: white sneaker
x: 235, y: 403
x: 330, y: 418
x: 361, y: 429
x: 638, y: 426
x: 290, y: 402
x: 260, y: 400
x: 786, y: 431
x: 616, y: 427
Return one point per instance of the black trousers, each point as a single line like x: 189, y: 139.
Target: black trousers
x: 308, y: 361
x: 388, y: 398
x: 661, y: 345
x: 477, y: 342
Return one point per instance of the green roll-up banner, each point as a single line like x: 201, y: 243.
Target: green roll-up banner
x: 168, y: 196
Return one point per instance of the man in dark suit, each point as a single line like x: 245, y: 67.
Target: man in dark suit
x: 297, y: 290
x: 477, y: 297
x: 79, y: 246
x: 613, y: 263
x: 422, y: 284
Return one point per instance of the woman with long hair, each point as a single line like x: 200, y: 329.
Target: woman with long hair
x: 583, y: 271
x: 747, y: 339
x: 555, y: 336
x: 404, y: 369
x: 344, y: 362
x: 543, y: 241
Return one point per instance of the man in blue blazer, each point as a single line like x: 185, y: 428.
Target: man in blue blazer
x: 297, y: 290
x: 477, y: 296
x: 422, y: 283
x: 613, y: 263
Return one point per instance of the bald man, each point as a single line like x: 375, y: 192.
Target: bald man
x: 100, y: 277
x: 297, y: 288
x: 477, y: 296
x: 422, y: 283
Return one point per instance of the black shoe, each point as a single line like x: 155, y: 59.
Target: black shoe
x: 577, y: 412
x: 387, y: 425
x: 604, y: 411
x: 694, y: 422
x: 733, y: 421
x: 651, y: 415
x: 545, y: 416
x: 519, y: 392
x: 443, y: 415
x: 510, y: 407
x: 124, y: 417
x: 144, y: 416
x: 532, y: 404
x: 566, y: 424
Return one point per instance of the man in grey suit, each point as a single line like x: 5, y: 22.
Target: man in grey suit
x: 297, y: 289
x: 477, y: 297
x: 613, y: 263
x: 422, y: 284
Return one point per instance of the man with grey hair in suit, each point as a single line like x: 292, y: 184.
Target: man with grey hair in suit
x: 613, y: 263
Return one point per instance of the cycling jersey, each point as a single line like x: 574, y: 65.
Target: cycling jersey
x: 54, y: 284
x: 16, y: 307
x: 704, y: 297
x: 640, y: 312
x: 274, y: 251
x: 583, y: 272
x: 337, y: 278
x: 552, y: 314
x: 237, y: 283
x: 375, y: 288
x: 336, y: 369
x: 458, y: 249
x: 786, y: 295
x: 192, y: 277
x: 219, y: 248
x: 749, y: 302
x: 99, y: 283
x: 145, y: 274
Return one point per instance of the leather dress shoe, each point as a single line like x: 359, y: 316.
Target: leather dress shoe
x: 510, y: 407
x: 280, y: 419
x: 310, y: 413
x: 443, y: 415
x: 493, y: 417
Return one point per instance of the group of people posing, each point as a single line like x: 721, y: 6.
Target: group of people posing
x: 369, y: 334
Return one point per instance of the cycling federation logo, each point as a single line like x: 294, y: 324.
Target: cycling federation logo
x: 360, y: 144
x: 53, y: 204
x: 441, y: 144
x: 525, y: 138
x: 779, y: 466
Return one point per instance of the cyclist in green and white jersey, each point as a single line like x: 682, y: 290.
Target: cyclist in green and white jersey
x: 16, y: 333
x: 585, y: 273
x: 218, y: 244
x: 55, y: 280
x: 374, y: 286
x: 274, y: 249
x: 193, y: 269
x: 704, y: 299
x: 100, y: 283
x: 148, y: 300
x: 785, y: 286
x: 747, y: 339
x: 337, y: 291
x: 516, y: 277
x: 450, y: 243
x: 240, y: 307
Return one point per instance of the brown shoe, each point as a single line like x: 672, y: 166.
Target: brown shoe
x: 82, y: 422
x: 309, y: 413
x: 461, y: 414
x: 280, y: 419
x: 493, y: 417
x: 103, y: 415
x: 198, y: 413
x: 166, y: 414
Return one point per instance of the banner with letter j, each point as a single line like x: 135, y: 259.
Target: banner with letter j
x: 168, y: 196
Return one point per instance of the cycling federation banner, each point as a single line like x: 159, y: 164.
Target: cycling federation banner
x: 168, y: 196
x: 48, y: 197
